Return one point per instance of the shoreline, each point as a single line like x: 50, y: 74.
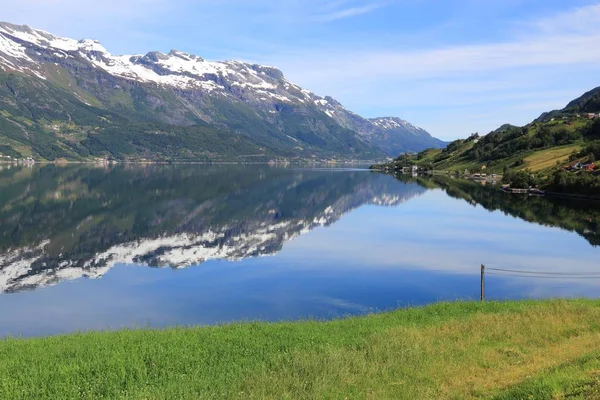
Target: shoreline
x: 102, y: 164
x: 498, y: 178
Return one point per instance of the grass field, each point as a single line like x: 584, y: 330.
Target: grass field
x: 512, y: 350
x: 549, y: 157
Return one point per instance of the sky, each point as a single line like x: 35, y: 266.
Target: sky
x: 453, y: 67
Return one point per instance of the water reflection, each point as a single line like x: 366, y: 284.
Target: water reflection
x: 187, y: 244
x: 65, y: 223
x: 575, y: 215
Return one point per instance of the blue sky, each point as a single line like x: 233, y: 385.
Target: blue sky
x: 453, y: 67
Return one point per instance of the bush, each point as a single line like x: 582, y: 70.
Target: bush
x: 520, y: 179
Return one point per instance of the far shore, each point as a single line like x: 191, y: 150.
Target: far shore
x: 117, y: 162
x: 495, y: 179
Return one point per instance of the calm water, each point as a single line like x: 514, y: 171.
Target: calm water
x: 102, y: 248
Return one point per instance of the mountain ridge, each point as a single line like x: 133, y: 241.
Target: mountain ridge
x: 589, y: 102
x: 177, y: 88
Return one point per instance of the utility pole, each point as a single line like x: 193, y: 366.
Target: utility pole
x: 482, y: 282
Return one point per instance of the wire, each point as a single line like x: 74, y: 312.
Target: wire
x: 546, y: 277
x: 595, y: 274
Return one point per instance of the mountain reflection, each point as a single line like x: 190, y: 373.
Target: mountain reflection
x: 61, y: 224
x: 580, y: 216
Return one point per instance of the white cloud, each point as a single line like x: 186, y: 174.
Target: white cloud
x: 537, y: 48
x: 335, y: 14
x: 546, y: 61
x: 577, y: 20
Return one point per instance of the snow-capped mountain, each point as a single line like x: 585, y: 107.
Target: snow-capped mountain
x: 395, y: 136
x: 182, y: 89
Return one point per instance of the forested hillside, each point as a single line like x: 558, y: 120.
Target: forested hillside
x: 557, y: 151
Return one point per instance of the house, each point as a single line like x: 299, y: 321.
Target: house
x: 589, y: 167
x: 573, y: 167
x: 592, y: 115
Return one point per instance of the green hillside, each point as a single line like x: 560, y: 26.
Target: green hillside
x: 589, y: 102
x: 43, y: 120
x: 537, y: 154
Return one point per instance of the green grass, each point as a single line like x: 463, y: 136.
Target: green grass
x: 511, y: 350
x: 549, y: 158
x: 578, y: 379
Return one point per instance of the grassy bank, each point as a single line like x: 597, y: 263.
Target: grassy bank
x: 512, y: 350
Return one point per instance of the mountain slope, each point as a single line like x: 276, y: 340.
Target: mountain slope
x: 589, y: 102
x: 184, y: 90
x: 41, y: 120
x: 396, y: 136
x: 542, y: 153
x: 391, y: 134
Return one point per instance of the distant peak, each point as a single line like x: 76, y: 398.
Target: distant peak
x: 389, y: 123
x: 155, y: 56
x: 268, y: 70
x: 332, y: 101
x: 185, y: 56
x: 91, y: 45
x: 7, y: 26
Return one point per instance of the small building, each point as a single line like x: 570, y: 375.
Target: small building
x: 574, y: 166
x: 588, y: 167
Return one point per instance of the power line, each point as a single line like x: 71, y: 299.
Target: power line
x: 547, y: 276
x: 595, y: 274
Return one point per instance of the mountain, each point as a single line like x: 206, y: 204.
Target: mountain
x: 66, y: 98
x: 589, y: 102
x: 541, y: 153
x: 396, y: 136
x: 63, y: 223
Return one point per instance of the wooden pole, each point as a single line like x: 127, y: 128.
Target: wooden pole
x: 482, y: 282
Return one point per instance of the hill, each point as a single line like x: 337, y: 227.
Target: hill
x: 556, y: 151
x: 63, y: 98
x: 587, y: 103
